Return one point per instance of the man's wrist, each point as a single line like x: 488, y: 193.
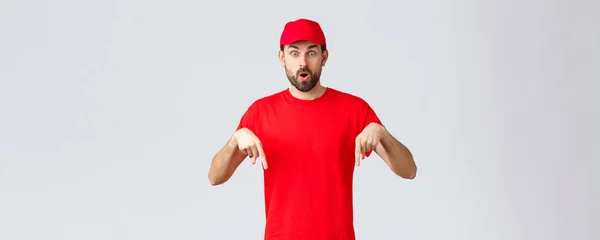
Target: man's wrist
x: 380, y: 128
x: 232, y: 143
x: 383, y: 133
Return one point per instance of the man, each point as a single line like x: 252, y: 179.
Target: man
x: 309, y: 139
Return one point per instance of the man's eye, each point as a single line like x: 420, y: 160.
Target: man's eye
x: 294, y: 53
x: 312, y: 53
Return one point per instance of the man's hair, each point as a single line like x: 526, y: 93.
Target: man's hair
x: 323, y: 47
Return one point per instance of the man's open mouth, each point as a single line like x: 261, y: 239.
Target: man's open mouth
x: 303, y: 75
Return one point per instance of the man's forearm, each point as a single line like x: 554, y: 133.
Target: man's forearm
x: 399, y: 157
x: 223, y: 164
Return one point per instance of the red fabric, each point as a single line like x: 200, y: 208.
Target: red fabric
x: 309, y: 147
x: 302, y: 29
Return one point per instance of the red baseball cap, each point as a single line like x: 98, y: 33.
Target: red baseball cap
x: 302, y: 29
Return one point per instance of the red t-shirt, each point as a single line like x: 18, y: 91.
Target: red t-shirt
x: 309, y: 147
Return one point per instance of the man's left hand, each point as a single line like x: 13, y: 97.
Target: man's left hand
x: 367, y: 140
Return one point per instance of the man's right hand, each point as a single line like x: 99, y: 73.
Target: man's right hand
x: 250, y: 145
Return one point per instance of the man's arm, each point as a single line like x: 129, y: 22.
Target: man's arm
x: 225, y: 162
x: 397, y: 156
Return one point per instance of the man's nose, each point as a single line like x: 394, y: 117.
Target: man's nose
x: 302, y: 61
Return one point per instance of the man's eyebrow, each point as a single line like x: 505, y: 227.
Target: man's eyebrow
x: 295, y: 47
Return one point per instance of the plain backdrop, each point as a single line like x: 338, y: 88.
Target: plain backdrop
x: 111, y: 111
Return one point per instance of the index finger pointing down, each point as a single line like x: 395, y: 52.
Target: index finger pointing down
x: 263, y: 159
x: 357, y: 152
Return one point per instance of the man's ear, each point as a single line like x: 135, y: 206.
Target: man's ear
x: 281, y: 57
x: 325, y: 57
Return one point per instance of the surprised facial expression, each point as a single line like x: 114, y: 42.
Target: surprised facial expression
x: 303, y: 62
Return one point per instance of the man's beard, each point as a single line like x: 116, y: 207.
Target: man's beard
x: 304, y: 86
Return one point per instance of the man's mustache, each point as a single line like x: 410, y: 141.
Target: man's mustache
x: 303, y: 70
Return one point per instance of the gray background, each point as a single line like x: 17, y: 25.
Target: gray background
x: 110, y: 112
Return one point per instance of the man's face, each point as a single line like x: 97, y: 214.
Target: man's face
x: 303, y: 62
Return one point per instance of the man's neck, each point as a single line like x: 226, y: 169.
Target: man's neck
x: 313, y: 94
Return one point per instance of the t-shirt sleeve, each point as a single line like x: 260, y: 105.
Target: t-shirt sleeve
x: 370, y: 117
x: 248, y: 119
